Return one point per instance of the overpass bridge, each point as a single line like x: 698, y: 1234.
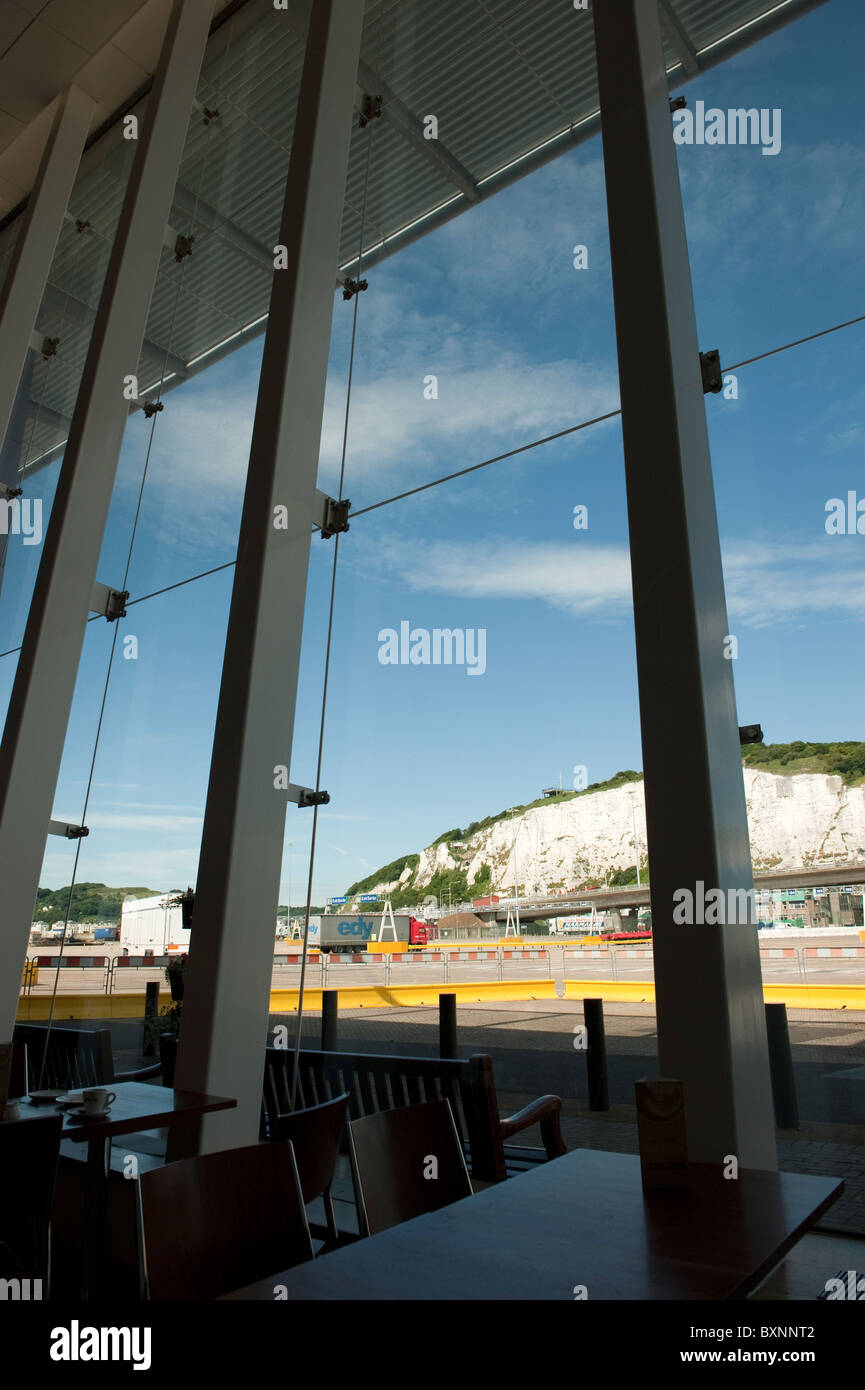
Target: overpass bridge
x: 622, y: 899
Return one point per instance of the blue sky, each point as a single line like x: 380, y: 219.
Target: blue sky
x: 522, y: 345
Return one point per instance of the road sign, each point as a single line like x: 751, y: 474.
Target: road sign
x: 337, y: 900
x: 364, y: 897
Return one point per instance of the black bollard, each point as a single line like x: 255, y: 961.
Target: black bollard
x: 151, y: 1011
x: 447, y: 1025
x: 329, y: 1017
x: 596, y: 1054
x: 781, y: 1067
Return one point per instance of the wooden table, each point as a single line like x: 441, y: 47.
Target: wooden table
x: 582, y: 1219
x: 138, y: 1106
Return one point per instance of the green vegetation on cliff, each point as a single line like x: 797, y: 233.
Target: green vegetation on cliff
x: 91, y: 902
x: 844, y: 760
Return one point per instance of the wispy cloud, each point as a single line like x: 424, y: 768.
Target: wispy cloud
x: 766, y: 582
x: 791, y: 582
x: 481, y: 409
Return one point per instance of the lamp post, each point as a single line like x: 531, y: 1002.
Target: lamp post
x: 289, y: 888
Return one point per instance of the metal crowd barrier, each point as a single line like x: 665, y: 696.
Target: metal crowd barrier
x: 449, y: 961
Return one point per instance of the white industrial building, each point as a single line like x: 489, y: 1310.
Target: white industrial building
x: 152, y: 924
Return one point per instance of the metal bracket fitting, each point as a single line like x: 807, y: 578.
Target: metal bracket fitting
x: 151, y: 408
x: 750, y: 733
x: 108, y: 603
x: 9, y: 493
x: 352, y: 287
x: 369, y: 111
x: 306, y: 796
x: 81, y: 226
x: 182, y: 247
x: 333, y: 515
x: 678, y: 103
x: 710, y: 369
x: 68, y: 832
x: 46, y: 346
x: 206, y: 112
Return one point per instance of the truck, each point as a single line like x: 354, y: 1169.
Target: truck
x: 490, y: 901
x: 351, y: 933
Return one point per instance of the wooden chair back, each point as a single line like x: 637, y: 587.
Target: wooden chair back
x: 405, y: 1163
x: 214, y: 1223
x: 315, y: 1134
x: 19, y: 1083
x: 375, y: 1083
x: 74, y: 1057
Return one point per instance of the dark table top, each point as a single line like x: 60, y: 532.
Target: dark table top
x: 582, y: 1219
x: 138, y: 1106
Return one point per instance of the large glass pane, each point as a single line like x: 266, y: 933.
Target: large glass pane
x: 774, y: 242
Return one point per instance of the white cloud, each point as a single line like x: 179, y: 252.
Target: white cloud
x: 787, y: 583
x: 396, y: 435
x: 138, y: 821
x: 766, y: 583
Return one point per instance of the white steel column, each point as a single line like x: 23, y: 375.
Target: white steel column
x: 227, y: 992
x: 711, y: 1023
x: 41, y: 698
x: 21, y: 294
x: 12, y: 450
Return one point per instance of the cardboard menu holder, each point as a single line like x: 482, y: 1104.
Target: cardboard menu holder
x: 661, y: 1134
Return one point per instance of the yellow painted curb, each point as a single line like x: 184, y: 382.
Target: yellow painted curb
x: 283, y: 1001
x: 795, y: 996
x: 816, y: 996
x: 32, y: 1008
x: 35, y: 1007
x: 612, y: 991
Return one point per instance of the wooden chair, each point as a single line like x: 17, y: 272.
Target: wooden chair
x: 377, y: 1082
x: 315, y: 1134
x: 73, y: 1057
x: 214, y: 1223
x: 405, y: 1163
x: 29, y: 1151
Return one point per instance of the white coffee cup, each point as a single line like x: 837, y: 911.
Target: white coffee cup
x: 97, y: 1100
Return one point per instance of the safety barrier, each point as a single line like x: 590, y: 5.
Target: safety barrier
x: 834, y: 951
x: 390, y: 969
x: 33, y: 965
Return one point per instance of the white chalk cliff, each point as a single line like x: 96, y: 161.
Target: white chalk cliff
x: 795, y: 822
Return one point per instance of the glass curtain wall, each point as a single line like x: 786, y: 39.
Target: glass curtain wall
x: 137, y: 753
x: 773, y: 231
x: 481, y: 743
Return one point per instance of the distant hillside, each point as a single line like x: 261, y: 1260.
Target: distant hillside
x: 91, y: 902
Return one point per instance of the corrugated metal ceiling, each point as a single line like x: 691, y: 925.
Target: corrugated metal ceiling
x: 503, y: 77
